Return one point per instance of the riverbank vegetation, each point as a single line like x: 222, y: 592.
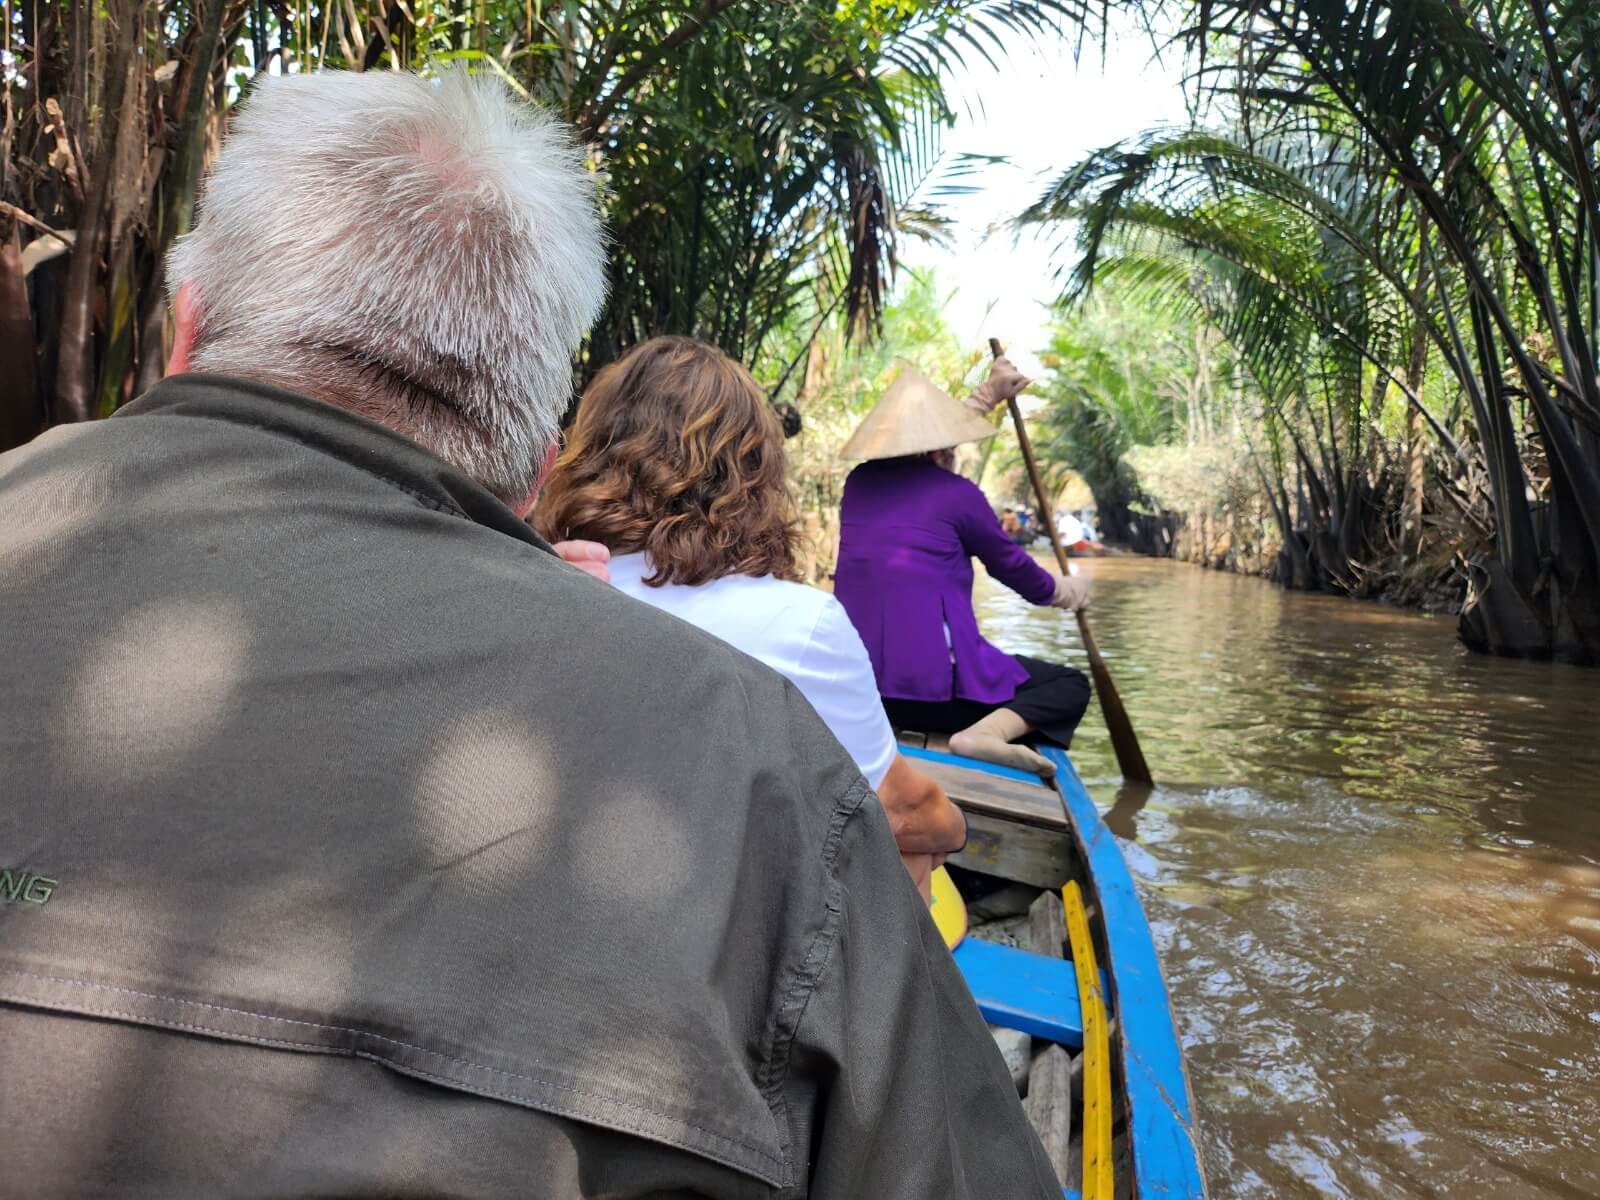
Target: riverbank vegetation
x: 762, y: 162
x: 1389, y: 212
x: 1187, y: 456
x: 1343, y: 330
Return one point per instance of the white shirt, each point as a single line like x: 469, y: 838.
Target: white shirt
x: 800, y: 632
x: 1070, y: 528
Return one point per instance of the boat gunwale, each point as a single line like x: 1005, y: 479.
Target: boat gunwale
x: 1155, y: 1092
x: 1155, y: 1078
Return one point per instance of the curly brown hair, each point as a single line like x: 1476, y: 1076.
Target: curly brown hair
x: 676, y: 452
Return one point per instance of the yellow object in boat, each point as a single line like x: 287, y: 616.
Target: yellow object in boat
x: 1097, y: 1175
x: 948, y: 909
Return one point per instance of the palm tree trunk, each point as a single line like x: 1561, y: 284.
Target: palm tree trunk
x: 75, y: 368
x: 20, y: 418
x: 1416, y: 435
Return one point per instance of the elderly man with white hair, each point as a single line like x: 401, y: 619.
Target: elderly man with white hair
x: 352, y: 843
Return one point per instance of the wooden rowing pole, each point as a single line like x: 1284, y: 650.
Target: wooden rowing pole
x: 1130, y: 758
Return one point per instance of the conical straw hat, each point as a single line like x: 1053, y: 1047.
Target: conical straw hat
x: 912, y: 417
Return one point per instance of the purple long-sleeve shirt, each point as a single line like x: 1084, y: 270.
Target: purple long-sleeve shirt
x: 908, y: 532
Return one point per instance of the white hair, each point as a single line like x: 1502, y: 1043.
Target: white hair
x: 427, y: 253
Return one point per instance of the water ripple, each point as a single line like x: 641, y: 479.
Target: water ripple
x: 1373, y: 869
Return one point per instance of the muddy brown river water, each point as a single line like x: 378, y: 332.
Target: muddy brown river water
x: 1372, y: 864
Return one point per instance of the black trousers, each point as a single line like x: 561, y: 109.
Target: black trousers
x: 1053, y: 701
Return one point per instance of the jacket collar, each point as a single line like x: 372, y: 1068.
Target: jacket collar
x: 338, y: 433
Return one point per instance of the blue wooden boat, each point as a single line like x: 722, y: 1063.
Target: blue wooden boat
x: 1049, y: 836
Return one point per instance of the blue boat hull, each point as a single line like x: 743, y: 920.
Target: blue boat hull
x: 1157, y: 1111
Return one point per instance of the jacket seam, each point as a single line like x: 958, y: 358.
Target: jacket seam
x: 356, y: 1052
x: 819, y: 952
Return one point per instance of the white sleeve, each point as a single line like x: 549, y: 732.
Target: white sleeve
x: 835, y: 675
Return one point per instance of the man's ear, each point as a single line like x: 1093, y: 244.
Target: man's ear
x: 525, y: 509
x: 548, y: 465
x: 185, y: 328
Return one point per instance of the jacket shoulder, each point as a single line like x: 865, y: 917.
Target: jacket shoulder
x: 954, y: 492
x: 597, y: 840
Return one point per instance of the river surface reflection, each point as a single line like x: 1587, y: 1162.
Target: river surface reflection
x: 1372, y: 864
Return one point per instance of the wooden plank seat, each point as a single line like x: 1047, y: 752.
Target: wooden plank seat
x: 1016, y: 826
x: 989, y: 788
x: 1017, y: 989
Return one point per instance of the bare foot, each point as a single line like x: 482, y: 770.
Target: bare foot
x: 1008, y: 754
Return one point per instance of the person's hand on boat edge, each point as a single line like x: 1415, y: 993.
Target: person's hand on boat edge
x: 589, y: 557
x: 922, y: 818
x: 1004, y: 383
x: 1072, y: 593
x: 927, y: 825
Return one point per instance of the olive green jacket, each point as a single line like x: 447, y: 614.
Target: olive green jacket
x: 355, y: 845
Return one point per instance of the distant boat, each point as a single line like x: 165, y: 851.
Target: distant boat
x: 1105, y: 1080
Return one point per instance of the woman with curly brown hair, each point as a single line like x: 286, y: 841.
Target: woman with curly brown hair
x: 676, y: 464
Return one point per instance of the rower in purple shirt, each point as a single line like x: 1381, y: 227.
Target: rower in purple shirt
x: 909, y: 529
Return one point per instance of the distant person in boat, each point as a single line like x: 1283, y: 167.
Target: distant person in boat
x: 353, y: 844
x: 909, y: 529
x: 1077, y: 537
x: 676, y: 464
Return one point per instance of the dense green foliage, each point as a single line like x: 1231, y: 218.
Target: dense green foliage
x: 1389, y: 185
x: 762, y: 160
x: 1120, y: 380
x: 1365, y: 287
